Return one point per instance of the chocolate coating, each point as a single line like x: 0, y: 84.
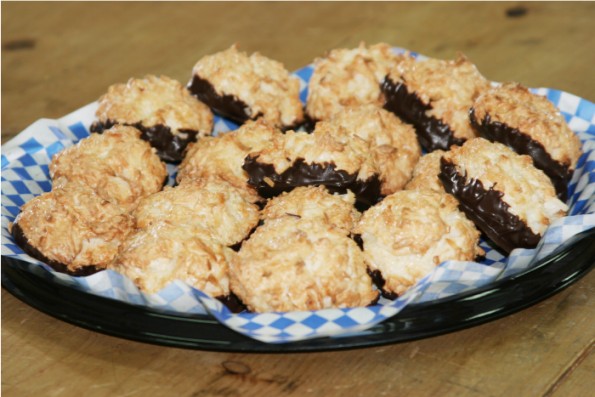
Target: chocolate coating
x: 23, y: 242
x: 432, y: 133
x: 487, y: 210
x: 169, y: 147
x: 309, y: 123
x: 521, y: 143
x: 367, y: 192
x: 226, y: 105
x: 233, y: 303
x: 379, y: 281
x: 358, y: 240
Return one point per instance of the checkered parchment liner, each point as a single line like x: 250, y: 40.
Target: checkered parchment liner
x: 25, y: 175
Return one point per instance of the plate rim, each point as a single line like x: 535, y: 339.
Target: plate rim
x: 553, y: 273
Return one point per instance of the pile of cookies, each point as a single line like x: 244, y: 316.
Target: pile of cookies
x: 305, y: 206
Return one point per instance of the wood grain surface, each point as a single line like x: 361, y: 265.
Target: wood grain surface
x: 57, y: 57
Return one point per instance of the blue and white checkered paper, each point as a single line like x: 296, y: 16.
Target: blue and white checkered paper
x: 25, y: 175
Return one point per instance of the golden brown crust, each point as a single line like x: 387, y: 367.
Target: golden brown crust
x: 155, y: 101
x: 425, y: 173
x: 154, y: 256
x: 317, y: 204
x: 410, y: 232
x: 117, y: 164
x: 75, y: 227
x: 211, y: 204
x: 298, y: 264
x: 348, y: 77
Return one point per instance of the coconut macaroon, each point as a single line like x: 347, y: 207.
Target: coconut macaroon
x: 393, y: 144
x: 72, y: 229
x: 245, y: 87
x: 529, y: 124
x: 300, y: 264
x: 509, y: 199
x: 348, y: 77
x: 425, y: 173
x: 161, y: 108
x: 324, y: 157
x: 223, y: 156
x: 435, y: 96
x: 409, y: 233
x: 315, y: 203
x: 117, y: 164
x: 211, y: 204
x: 155, y: 256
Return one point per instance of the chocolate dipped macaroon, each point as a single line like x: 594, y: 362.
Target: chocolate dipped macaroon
x: 409, y: 233
x: 154, y: 256
x: 223, y: 156
x: 507, y: 198
x: 117, y: 165
x: 324, y: 157
x: 529, y: 124
x: 348, y: 77
x: 168, y: 117
x: 72, y: 229
x: 212, y: 204
x: 292, y: 264
x: 314, y: 203
x: 435, y: 96
x: 392, y: 143
x: 246, y: 87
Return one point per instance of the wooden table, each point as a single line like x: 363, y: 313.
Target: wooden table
x: 58, y: 57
